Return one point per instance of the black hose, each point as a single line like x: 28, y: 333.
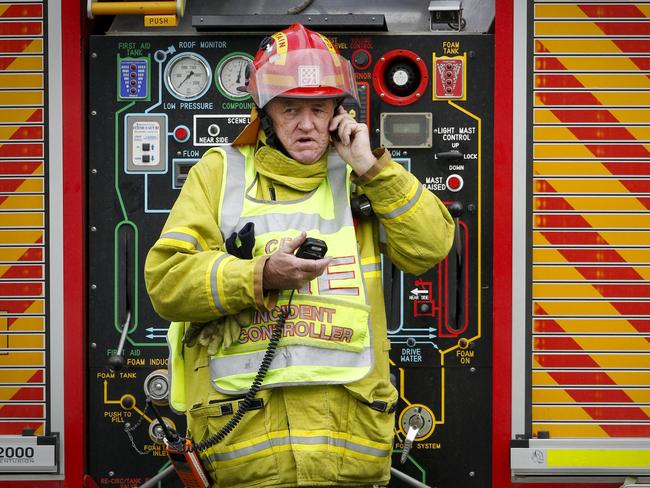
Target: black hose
x: 255, y: 386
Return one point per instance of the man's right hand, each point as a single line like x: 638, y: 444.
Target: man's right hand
x: 284, y: 271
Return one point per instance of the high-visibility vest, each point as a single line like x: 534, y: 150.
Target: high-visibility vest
x: 326, y: 336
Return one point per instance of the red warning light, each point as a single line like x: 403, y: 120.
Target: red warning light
x: 454, y: 182
x: 181, y: 133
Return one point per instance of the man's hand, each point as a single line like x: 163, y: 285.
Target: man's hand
x: 284, y: 271
x: 354, y: 142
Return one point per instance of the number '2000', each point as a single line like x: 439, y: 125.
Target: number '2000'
x: 16, y: 452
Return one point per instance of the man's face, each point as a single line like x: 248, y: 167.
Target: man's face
x: 302, y: 126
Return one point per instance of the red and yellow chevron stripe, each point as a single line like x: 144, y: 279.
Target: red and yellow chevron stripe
x: 590, y: 224
x: 23, y: 205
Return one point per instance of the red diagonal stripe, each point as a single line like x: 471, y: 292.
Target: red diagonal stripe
x: 574, y: 238
x: 565, y: 361
x: 612, y: 11
x: 602, y: 133
x: 616, y: 413
x: 575, y: 116
x: 624, y: 28
x: 609, y: 395
x: 30, y: 394
x: 21, y: 289
x: 624, y: 168
x: 540, y: 47
x: 587, y: 378
x: 564, y: 343
x: 557, y: 81
x: 543, y: 186
x: 37, y: 116
x: 625, y: 290
x: 567, y: 98
x: 6, y: 61
x: 22, y: 411
x: 24, y: 272
x: 37, y: 377
x: 19, y: 167
x: 560, y: 221
x: 16, y: 428
x: 636, y: 186
x: 21, y: 150
x: 546, y: 325
x: 21, y: 28
x: 28, y: 132
x: 28, y: 10
x: 14, y: 45
x: 32, y: 254
x: 618, y: 150
x: 548, y: 63
x: 551, y: 203
x: 15, y: 306
x: 622, y: 430
x: 591, y: 256
x: 631, y: 308
x: 609, y: 273
x: 9, y: 185
x: 632, y: 45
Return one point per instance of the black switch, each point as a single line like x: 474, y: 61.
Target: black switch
x: 145, y: 158
x: 146, y: 146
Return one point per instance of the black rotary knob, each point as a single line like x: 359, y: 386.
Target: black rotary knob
x: 402, y: 78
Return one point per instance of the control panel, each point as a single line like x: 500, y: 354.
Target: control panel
x: 157, y: 103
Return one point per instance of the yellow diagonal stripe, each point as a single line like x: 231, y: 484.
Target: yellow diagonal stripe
x: 548, y: 395
x: 31, y: 185
x: 542, y: 378
x: 11, y: 253
x: 614, y: 343
x: 572, y: 151
x: 592, y: 185
x: 618, y: 221
x: 554, y: 28
x: 630, y: 115
x: 606, y: 203
x: 634, y: 99
x: 568, y: 168
x: 558, y: 11
x: 21, y: 97
x: 35, y: 202
x: 547, y: 255
x: 27, y: 324
x: 623, y: 360
x: 9, y: 392
x: 550, y: 412
x: 576, y: 46
x: 613, y: 80
x: 564, y: 290
x: 21, y: 236
x: 556, y: 133
x: 26, y: 63
x: 602, y: 326
x: 559, y: 273
x: 623, y: 115
x: 27, y: 80
x: 37, y: 307
x: 544, y: 116
x: 36, y: 46
x: 572, y: 308
x: 570, y: 430
x: 23, y: 358
x: 590, y: 63
x: 17, y: 375
x: 26, y: 341
x: 23, y: 219
x: 11, y: 115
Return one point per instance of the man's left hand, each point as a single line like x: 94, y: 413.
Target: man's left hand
x: 353, y: 144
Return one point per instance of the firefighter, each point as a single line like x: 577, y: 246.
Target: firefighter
x: 224, y: 265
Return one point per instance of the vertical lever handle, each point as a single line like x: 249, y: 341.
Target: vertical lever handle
x: 455, y: 272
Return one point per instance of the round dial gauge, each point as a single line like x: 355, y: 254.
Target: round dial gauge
x: 188, y: 76
x: 231, y: 75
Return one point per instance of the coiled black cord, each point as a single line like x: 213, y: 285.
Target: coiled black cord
x: 255, y: 386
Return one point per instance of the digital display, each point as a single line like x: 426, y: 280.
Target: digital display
x: 408, y: 130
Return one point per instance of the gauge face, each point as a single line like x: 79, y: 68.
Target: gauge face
x: 231, y: 75
x: 188, y: 76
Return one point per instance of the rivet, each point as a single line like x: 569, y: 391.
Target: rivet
x: 93, y: 229
x: 94, y: 171
x: 93, y: 55
x: 93, y: 286
x: 93, y: 112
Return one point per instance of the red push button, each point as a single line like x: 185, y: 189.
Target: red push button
x: 454, y: 183
x: 181, y: 133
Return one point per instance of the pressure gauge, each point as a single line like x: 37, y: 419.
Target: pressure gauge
x: 231, y: 75
x: 188, y: 76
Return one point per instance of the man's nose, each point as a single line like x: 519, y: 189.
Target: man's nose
x: 306, y: 121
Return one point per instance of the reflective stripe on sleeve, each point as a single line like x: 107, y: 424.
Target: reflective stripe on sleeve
x: 184, y: 237
x: 214, y: 283
x: 404, y: 207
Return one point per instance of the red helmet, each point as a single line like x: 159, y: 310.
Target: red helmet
x: 300, y: 63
